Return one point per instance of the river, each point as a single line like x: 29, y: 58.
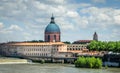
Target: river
x: 51, y: 68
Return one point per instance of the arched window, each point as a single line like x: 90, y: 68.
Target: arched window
x: 55, y: 37
x: 48, y: 37
x: 59, y: 37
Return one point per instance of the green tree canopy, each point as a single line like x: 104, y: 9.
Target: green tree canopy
x: 88, y: 62
x: 67, y: 42
x: 104, y: 46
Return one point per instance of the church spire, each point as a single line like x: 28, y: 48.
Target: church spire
x: 95, y: 37
x: 52, y: 19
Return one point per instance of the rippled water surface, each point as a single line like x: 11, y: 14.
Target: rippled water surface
x: 51, y: 68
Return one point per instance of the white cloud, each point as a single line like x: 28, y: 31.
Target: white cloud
x: 102, y: 17
x: 58, y: 1
x: 115, y: 34
x: 64, y: 24
x: 10, y: 29
x: 99, y: 1
x: 117, y: 19
x: 35, y: 15
x: 83, y: 23
x: 40, y: 6
x: 72, y: 14
x: 5, y: 31
x: 1, y: 25
x: 84, y: 5
x: 15, y: 27
x: 27, y: 36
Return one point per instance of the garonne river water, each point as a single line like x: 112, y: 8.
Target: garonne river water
x: 51, y: 68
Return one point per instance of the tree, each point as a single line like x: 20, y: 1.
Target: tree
x: 104, y: 46
x: 98, y: 63
x: 111, y: 46
x: 117, y: 47
x: 67, y: 42
x: 88, y: 62
x: 80, y: 62
x: 40, y: 41
x: 92, y: 45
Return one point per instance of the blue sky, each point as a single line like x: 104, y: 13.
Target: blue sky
x: 25, y: 20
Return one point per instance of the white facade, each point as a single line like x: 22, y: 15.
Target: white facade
x: 32, y: 49
x: 46, y: 49
x: 76, y: 48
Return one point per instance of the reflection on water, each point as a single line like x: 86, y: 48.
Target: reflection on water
x: 51, y: 68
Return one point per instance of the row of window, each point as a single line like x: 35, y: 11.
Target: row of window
x: 35, y: 46
x: 36, y: 54
x: 55, y: 49
x: 74, y: 48
x: 33, y: 49
x: 42, y: 46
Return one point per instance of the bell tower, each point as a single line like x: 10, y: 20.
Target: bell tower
x: 95, y: 36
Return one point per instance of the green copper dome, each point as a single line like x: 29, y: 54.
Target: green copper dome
x: 52, y: 27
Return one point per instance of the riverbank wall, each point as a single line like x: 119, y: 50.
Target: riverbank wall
x: 12, y: 61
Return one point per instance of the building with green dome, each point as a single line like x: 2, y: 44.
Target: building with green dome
x: 52, y: 32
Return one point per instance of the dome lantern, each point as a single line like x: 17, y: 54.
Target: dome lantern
x: 52, y: 19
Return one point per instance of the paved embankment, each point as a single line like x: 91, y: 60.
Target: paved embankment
x: 12, y: 61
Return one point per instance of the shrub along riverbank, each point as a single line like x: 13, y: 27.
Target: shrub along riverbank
x: 88, y: 62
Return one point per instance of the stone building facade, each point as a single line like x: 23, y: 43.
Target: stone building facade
x: 46, y: 49
x: 32, y: 49
x: 76, y: 48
